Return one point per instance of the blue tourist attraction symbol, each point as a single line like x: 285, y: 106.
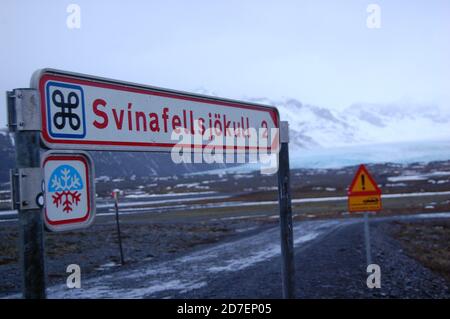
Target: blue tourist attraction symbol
x: 65, y: 183
x: 66, y: 113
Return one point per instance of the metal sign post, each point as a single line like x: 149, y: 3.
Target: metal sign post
x: 26, y: 179
x: 119, y: 235
x: 367, y: 238
x: 284, y: 198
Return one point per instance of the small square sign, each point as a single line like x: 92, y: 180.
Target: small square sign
x: 69, y: 191
x: 65, y: 110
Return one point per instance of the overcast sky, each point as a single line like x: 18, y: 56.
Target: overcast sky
x: 318, y: 51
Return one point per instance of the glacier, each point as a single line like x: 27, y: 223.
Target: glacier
x: 400, y: 153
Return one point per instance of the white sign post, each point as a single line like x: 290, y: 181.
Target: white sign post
x: 69, y: 190
x: 92, y: 113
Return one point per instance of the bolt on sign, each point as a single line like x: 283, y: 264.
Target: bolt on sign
x: 92, y: 113
x: 69, y: 190
x: 364, y: 193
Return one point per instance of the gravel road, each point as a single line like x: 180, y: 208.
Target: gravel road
x: 330, y: 263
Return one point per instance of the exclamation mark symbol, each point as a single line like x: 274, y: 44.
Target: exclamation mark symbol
x: 363, y: 182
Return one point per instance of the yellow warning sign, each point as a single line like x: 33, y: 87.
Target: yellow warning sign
x: 364, y: 203
x: 364, y: 193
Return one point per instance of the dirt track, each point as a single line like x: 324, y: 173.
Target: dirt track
x: 330, y: 263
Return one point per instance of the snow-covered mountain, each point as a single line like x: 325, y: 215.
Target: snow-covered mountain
x: 361, y: 123
x: 311, y: 127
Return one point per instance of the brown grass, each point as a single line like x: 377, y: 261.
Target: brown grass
x: 427, y: 242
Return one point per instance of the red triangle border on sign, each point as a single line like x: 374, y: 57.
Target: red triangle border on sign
x: 362, y: 169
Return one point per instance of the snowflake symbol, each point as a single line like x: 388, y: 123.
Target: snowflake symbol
x: 66, y: 182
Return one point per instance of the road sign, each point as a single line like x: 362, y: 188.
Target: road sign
x: 92, y: 113
x: 364, y: 193
x: 69, y: 190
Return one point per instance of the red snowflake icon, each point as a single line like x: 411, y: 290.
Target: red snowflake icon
x: 67, y: 199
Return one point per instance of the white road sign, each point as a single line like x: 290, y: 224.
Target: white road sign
x: 69, y: 190
x: 85, y: 112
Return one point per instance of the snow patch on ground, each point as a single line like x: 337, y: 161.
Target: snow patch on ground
x: 428, y: 216
x: 107, y: 266
x: 418, y: 177
x: 396, y: 185
x: 146, y: 195
x: 243, y: 230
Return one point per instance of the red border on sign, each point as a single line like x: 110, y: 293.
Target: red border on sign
x: 147, y: 91
x: 363, y: 169
x: 74, y: 220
